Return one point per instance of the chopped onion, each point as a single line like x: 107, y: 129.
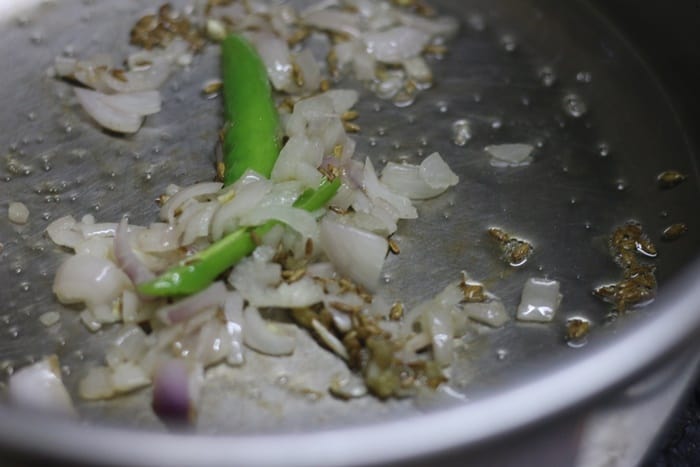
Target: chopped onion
x: 262, y: 337
x: 122, y: 113
x: 510, y: 155
x: 396, y: 44
x: 39, y: 386
x: 90, y: 280
x: 126, y: 258
x: 63, y: 232
x: 491, y: 313
x: 330, y: 340
x: 539, y: 301
x: 176, y: 201
x: 376, y: 190
x: 128, y: 376
x: 355, y: 253
x: 173, y: 399
x: 298, y: 219
x: 213, y: 296
x: 426, y: 181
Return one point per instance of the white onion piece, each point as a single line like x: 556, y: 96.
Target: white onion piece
x: 97, y: 384
x: 107, y: 116
x: 396, y: 44
x: 197, y: 225
x: 539, y: 300
x: 337, y: 21
x: 157, y: 238
x: 302, y: 293
x: 298, y: 150
x: 437, y: 322
x: 63, y: 232
x: 127, y: 376
x: 90, y: 280
x: 510, y: 155
x: 444, y: 27
x: 176, y: 201
x: 263, y: 337
x: 406, y: 180
x: 342, y: 99
x: 298, y: 219
x: 491, y: 313
x: 126, y: 258
x: 246, y: 198
x: 139, y: 103
x: 436, y: 173
x: 18, y: 213
x: 40, y: 387
x: 212, y: 296
x: 330, y: 340
x: 103, y: 229
x: 148, y: 79
x: 95, y: 246
x: 309, y: 70
x: 355, y: 253
x: 277, y: 59
x: 376, y: 190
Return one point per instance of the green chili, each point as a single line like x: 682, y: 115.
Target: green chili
x: 252, y: 135
x: 200, y: 270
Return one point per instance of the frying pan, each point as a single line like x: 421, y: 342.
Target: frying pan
x: 559, y: 76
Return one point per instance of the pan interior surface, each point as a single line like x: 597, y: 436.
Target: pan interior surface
x: 555, y: 76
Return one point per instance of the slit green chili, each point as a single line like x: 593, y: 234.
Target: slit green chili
x: 251, y: 135
x: 200, y: 270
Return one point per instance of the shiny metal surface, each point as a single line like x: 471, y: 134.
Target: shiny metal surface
x: 590, y: 173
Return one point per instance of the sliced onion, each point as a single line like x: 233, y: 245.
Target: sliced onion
x: 330, y: 340
x: 355, y: 253
x: 298, y: 219
x: 176, y: 388
x: 246, y: 198
x: 126, y: 258
x: 97, y: 384
x: 302, y: 293
x: 40, y: 387
x: 342, y: 99
x: 213, y: 296
x: 436, y: 173
x: 277, y: 58
x: 111, y: 118
x: 337, y: 21
x: 127, y: 376
x: 176, y: 201
x: 510, y: 155
x: 262, y: 337
x: 539, y: 301
x: 437, y: 322
x: 90, y: 280
x: 491, y: 313
x: 396, y: 44
x: 377, y: 190
x: 63, y: 232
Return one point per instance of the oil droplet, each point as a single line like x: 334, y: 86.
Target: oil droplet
x: 396, y: 145
x: 13, y: 332
x: 461, y: 132
x: 442, y: 107
x: 501, y: 354
x: 31, y: 116
x: 587, y: 225
x: 547, y: 76
x: 373, y: 142
x: 496, y: 124
x: 377, y: 107
x: 603, y: 149
x: 574, y: 106
x: 282, y: 380
x: 381, y: 131
x: 386, y: 278
x: 620, y: 185
x: 423, y: 141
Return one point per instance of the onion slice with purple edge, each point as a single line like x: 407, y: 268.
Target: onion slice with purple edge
x: 175, y: 391
x: 214, y: 295
x: 126, y: 258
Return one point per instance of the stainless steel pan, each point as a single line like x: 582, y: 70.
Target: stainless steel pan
x: 559, y: 76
